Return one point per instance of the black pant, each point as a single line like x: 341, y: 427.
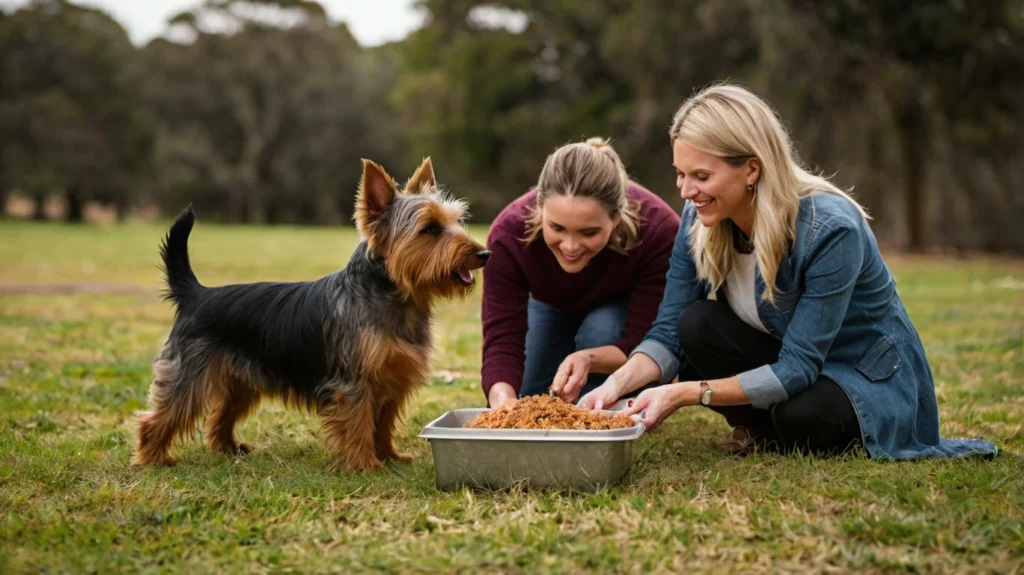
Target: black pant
x: 718, y: 344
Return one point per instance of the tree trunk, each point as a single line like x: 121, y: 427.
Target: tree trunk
x: 39, y: 206
x: 875, y: 185
x: 950, y: 214
x: 256, y: 212
x: 236, y: 204
x: 73, y: 196
x: 913, y: 128
x: 121, y: 209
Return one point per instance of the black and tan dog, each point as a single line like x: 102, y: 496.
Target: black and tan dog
x: 350, y: 347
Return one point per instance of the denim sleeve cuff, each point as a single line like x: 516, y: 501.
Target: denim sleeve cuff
x: 762, y: 387
x: 666, y: 360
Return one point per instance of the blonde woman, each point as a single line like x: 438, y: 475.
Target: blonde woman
x: 576, y: 273
x: 806, y: 343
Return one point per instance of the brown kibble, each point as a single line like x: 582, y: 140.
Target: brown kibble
x: 546, y: 412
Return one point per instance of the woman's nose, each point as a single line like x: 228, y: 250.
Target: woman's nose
x: 687, y: 191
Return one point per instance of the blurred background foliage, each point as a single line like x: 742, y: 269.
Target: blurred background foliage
x: 915, y: 105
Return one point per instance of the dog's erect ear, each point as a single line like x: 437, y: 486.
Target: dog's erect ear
x: 422, y: 181
x: 376, y: 191
x: 375, y: 196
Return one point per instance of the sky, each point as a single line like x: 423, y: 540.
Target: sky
x: 372, y: 22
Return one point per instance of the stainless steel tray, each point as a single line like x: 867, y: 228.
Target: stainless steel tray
x: 617, y: 406
x: 501, y: 458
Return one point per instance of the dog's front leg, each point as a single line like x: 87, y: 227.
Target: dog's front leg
x: 387, y: 421
x: 349, y: 431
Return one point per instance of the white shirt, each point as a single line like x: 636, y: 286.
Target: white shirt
x: 739, y: 289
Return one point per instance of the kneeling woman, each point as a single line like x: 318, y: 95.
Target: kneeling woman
x: 576, y: 273
x: 806, y: 343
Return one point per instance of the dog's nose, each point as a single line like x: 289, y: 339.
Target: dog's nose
x: 482, y: 255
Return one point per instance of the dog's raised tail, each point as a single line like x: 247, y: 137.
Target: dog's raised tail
x: 182, y: 284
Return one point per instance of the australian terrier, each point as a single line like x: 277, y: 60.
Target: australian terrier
x: 351, y: 346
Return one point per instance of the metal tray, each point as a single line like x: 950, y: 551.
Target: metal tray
x: 617, y: 406
x: 501, y: 458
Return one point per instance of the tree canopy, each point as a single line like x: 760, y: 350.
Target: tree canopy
x: 264, y: 117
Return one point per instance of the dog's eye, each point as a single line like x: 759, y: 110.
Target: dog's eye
x: 432, y: 229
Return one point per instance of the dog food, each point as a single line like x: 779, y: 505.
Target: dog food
x: 545, y: 412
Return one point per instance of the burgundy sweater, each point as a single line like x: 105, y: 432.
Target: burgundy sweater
x: 516, y: 271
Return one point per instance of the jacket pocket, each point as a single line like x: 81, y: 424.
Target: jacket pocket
x: 880, y: 361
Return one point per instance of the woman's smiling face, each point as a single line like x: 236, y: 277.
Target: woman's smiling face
x: 575, y: 229
x: 717, y: 188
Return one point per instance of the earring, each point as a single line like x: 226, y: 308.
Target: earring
x: 750, y: 187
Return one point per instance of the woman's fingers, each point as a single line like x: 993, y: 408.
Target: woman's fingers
x: 637, y: 405
x: 606, y: 394
x: 574, y: 381
x: 561, y: 376
x: 587, y: 401
x: 658, y: 412
x: 650, y: 420
x: 651, y: 413
x: 595, y: 400
x: 649, y: 405
x: 570, y: 379
x: 569, y: 393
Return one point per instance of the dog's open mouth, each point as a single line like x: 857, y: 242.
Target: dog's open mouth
x: 465, y: 276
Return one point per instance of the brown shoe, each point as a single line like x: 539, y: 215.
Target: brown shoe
x: 739, y: 442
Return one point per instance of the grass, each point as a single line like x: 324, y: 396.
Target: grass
x: 74, y: 367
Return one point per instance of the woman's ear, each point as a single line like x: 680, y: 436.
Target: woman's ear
x: 753, y: 171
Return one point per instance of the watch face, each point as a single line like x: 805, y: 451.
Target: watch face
x: 705, y: 397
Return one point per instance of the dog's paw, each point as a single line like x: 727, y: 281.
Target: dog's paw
x: 243, y: 449
x: 368, y: 466
x: 165, y: 461
x: 400, y: 457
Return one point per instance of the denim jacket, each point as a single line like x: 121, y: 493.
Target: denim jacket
x: 838, y: 315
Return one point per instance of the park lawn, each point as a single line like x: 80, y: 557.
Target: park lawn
x: 74, y: 367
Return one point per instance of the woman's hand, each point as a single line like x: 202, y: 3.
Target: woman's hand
x: 660, y: 402
x: 634, y: 374
x: 501, y: 394
x: 572, y: 375
x: 606, y: 394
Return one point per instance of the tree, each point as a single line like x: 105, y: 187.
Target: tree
x: 69, y: 103
x: 264, y: 121
x: 930, y: 64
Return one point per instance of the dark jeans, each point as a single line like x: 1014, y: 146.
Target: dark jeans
x: 717, y: 344
x: 551, y: 335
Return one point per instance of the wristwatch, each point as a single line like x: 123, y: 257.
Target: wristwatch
x: 705, y: 393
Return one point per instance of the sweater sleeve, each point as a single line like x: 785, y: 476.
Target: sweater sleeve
x: 503, y: 315
x: 656, y: 252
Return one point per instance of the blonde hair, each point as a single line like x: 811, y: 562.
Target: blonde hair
x: 734, y: 124
x: 590, y: 169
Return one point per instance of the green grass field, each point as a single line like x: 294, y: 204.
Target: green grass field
x: 74, y: 367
